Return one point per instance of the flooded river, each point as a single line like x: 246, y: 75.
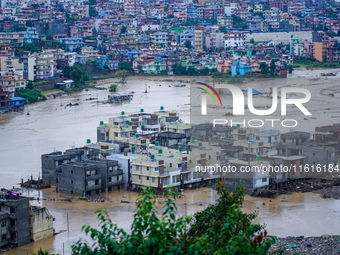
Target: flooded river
x: 52, y: 127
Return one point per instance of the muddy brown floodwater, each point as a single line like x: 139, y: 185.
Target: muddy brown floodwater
x: 53, y: 127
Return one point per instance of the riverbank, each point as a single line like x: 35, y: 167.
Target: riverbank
x: 320, y: 245
x: 327, y: 188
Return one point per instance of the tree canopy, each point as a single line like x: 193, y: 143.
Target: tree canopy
x: 219, y: 229
x: 123, y: 74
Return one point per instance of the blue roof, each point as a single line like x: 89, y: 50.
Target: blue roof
x: 255, y: 92
x: 17, y: 98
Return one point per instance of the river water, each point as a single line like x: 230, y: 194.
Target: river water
x: 50, y: 127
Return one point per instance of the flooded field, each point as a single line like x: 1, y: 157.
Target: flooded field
x: 53, y: 126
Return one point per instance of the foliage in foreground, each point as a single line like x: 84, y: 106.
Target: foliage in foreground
x: 219, y: 229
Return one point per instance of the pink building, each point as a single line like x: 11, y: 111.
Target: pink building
x: 214, y: 40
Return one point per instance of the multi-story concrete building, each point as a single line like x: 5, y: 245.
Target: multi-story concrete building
x: 72, y: 43
x: 79, y: 178
x: 160, y: 168
x: 14, y: 37
x: 7, y: 90
x: 199, y: 38
x: 9, y: 63
x: 234, y: 39
x: 188, y: 35
x: 51, y: 162
x: 252, y: 180
x: 222, y: 20
x: 160, y: 38
x: 132, y: 7
x: 292, y: 143
x: 269, y: 138
x: 14, y: 220
x: 41, y: 65
x: 111, y: 174
x: 214, y: 41
x: 208, y: 13
x: 32, y: 36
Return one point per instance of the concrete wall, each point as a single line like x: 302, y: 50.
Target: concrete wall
x: 42, y: 224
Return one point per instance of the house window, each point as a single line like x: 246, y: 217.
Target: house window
x: 170, y: 165
x: 3, y: 224
x: 96, y: 182
x: 71, y: 171
x: 117, y: 178
x: 153, y: 179
x: 147, y: 168
x: 137, y: 168
x: 147, y: 178
x: 139, y: 177
x: 156, y: 169
x: 12, y: 210
x: 71, y: 181
x: 264, y: 179
x: 110, y: 179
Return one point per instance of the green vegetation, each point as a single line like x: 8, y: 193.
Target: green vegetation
x: 113, y: 87
x: 264, y: 68
x: 78, y: 74
x: 187, y: 44
x: 219, y: 229
x: 182, y: 70
x: 223, y: 29
x: 272, y: 67
x: 235, y: 79
x: 123, y: 74
x: 30, y: 47
x: 30, y: 95
x: 18, y: 28
x: 123, y: 30
x: 312, y: 62
x: 35, y: 83
x: 93, y: 11
x: 125, y: 66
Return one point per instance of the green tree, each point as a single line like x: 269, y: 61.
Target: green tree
x: 223, y: 29
x: 125, y: 66
x: 123, y: 74
x: 123, y: 30
x: 272, y: 67
x: 163, y: 72
x: 30, y: 47
x: 67, y: 70
x: 29, y: 23
x: 187, y: 44
x: 224, y: 229
x: 29, y: 85
x: 290, y: 68
x: 113, y: 87
x: 18, y: 28
x: 77, y: 75
x: 179, y: 69
x: 264, y: 68
x: 219, y: 229
x: 93, y: 11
